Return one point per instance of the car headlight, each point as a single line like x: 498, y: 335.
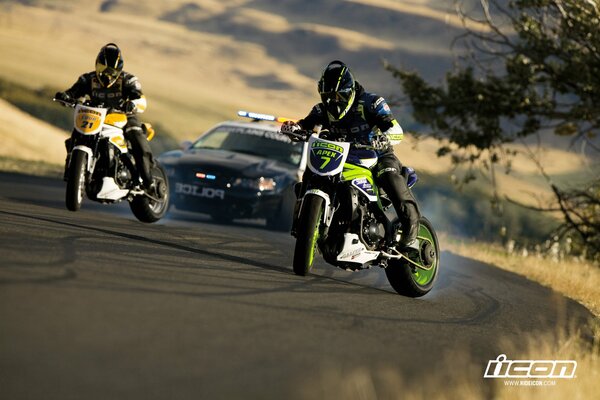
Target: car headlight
x: 262, y: 184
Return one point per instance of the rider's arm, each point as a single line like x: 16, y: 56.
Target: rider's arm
x: 81, y: 88
x: 314, y: 118
x: 132, y: 89
x: 385, y: 121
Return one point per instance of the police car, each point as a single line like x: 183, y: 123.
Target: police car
x: 238, y: 170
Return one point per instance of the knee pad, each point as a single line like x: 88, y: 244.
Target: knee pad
x: 386, y: 170
x: 411, y: 211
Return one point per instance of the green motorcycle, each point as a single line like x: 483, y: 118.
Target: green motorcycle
x: 347, y: 218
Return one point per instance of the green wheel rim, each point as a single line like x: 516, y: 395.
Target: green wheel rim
x: 313, y: 240
x: 420, y: 276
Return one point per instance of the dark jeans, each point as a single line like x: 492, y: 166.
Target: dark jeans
x: 387, y: 176
x: 140, y: 148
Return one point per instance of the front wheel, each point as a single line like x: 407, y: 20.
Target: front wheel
x: 308, y: 233
x: 148, y: 209
x: 410, y: 280
x: 76, y: 180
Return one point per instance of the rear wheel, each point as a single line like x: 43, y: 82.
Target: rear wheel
x: 308, y: 233
x: 76, y: 180
x: 409, y: 280
x: 147, y: 209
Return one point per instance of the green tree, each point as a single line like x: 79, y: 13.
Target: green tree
x: 526, y: 66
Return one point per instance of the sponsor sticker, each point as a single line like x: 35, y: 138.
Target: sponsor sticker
x: 88, y: 121
x: 364, y: 185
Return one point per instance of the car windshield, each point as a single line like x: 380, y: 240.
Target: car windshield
x: 254, y: 141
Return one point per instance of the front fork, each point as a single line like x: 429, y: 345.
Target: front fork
x: 85, y: 143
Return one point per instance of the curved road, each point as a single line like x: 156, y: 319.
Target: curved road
x: 96, y: 305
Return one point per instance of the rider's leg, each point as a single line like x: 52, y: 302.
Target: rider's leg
x: 389, y: 178
x: 140, y: 148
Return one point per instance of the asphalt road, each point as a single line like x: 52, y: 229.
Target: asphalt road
x: 96, y: 305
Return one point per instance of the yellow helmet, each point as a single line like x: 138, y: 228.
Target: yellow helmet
x: 109, y: 64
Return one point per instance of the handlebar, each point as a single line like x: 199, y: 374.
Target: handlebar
x: 302, y: 135
x: 65, y: 103
x: 74, y: 104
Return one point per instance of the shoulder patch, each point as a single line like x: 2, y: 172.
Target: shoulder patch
x: 132, y: 82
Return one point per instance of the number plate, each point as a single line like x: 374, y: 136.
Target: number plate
x: 88, y: 120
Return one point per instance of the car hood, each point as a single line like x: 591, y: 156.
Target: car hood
x: 221, y: 161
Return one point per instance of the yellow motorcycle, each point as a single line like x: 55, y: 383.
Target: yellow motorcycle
x: 101, y: 166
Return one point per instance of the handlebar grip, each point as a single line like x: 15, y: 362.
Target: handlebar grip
x: 64, y: 103
x: 298, y: 136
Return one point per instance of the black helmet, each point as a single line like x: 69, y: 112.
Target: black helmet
x: 337, y: 89
x: 109, y: 64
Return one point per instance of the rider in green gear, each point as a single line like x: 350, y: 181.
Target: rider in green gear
x: 347, y: 111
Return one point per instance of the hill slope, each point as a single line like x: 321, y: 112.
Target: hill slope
x: 200, y: 61
x: 26, y: 137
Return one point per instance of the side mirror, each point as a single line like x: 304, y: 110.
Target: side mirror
x: 185, y: 145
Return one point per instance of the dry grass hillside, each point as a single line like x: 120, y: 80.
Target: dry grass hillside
x: 191, y: 79
x: 200, y: 61
x: 28, y: 137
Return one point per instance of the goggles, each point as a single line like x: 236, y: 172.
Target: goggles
x: 340, y: 96
x: 109, y: 74
x: 108, y: 71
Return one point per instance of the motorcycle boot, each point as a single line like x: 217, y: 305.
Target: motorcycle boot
x: 403, y: 200
x: 408, y: 243
x: 140, y: 149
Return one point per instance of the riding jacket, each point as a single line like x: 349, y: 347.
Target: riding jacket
x: 126, y: 88
x: 368, y: 117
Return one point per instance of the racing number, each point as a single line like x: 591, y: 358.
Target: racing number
x: 87, y: 125
x: 326, y: 161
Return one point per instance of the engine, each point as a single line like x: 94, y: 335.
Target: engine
x: 372, y: 231
x: 123, y: 175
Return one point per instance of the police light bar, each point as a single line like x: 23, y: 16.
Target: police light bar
x: 263, y: 117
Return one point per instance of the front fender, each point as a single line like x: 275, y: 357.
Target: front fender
x: 90, y: 155
x: 327, y: 213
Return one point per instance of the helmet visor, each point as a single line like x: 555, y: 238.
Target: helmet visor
x: 107, y: 75
x: 340, y: 96
x: 338, y: 102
